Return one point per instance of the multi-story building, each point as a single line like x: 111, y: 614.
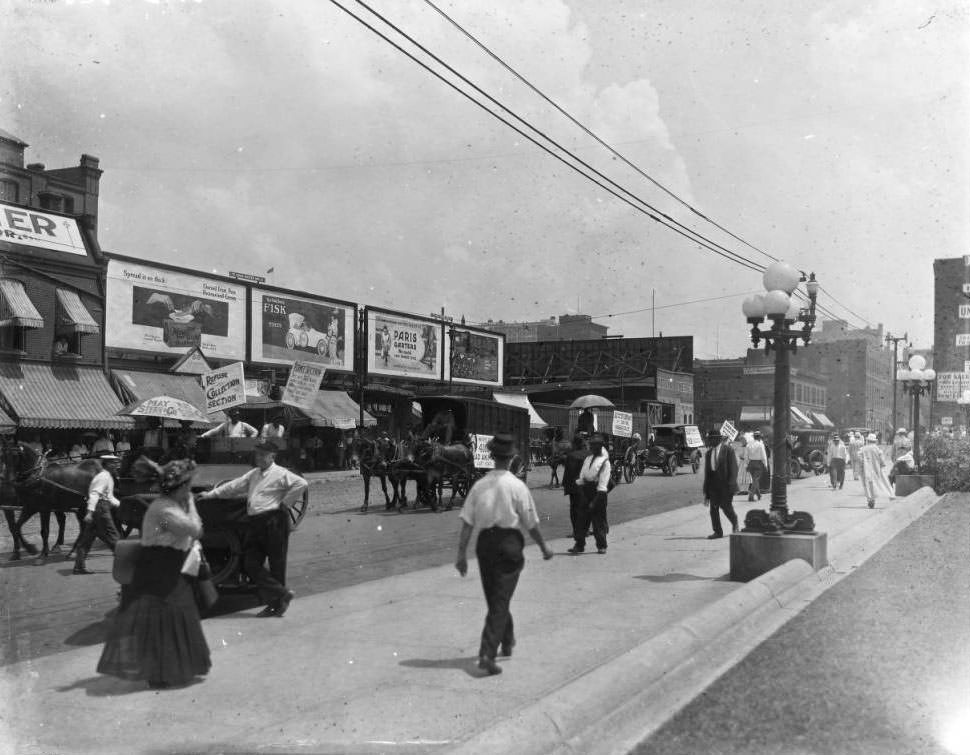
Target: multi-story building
x: 52, y: 310
x: 563, y: 328
x: 951, y: 342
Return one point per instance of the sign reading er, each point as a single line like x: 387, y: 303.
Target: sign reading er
x: 40, y: 229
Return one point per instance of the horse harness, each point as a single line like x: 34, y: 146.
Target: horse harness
x: 35, y: 476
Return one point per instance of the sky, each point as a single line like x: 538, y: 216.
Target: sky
x: 245, y: 135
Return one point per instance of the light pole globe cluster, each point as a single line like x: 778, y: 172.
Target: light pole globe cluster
x: 916, y: 381
x: 789, y: 323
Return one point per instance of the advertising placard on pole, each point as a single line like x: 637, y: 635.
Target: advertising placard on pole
x: 483, y: 459
x: 729, y: 430
x: 622, y: 424
x: 224, y: 387
x: 303, y: 384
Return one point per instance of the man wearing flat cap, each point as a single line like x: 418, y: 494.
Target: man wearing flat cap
x: 500, y: 505
x: 98, y: 516
x: 270, y: 490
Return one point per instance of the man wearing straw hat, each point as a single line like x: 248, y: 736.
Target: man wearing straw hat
x: 500, y: 505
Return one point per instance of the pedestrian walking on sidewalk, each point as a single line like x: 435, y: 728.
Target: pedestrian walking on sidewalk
x: 757, y: 458
x: 99, y: 516
x: 855, y: 445
x: 157, y: 634
x: 500, y: 505
x: 594, y: 483
x: 578, y: 510
x: 270, y: 490
x: 874, y: 481
x: 720, y: 485
x: 835, y: 457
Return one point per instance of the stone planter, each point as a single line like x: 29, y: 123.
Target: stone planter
x: 910, y: 483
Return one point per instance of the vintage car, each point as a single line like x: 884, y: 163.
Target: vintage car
x: 302, y: 336
x: 673, y: 446
x: 808, y: 450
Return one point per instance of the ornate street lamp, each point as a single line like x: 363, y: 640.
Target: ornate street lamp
x: 789, y: 323
x: 916, y: 381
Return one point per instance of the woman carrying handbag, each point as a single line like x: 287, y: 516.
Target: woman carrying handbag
x: 157, y: 633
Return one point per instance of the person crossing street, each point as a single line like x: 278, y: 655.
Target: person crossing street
x: 99, y: 518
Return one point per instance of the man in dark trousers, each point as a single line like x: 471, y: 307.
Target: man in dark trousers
x: 720, y: 484
x: 98, y: 516
x: 500, y: 506
x: 270, y: 490
x: 578, y: 508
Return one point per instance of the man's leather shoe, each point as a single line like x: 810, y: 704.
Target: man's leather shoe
x: 489, y: 665
x: 575, y: 549
x: 715, y: 536
x: 267, y: 611
x: 284, y: 602
x: 81, y: 570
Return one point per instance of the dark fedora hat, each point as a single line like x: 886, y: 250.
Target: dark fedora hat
x: 502, y: 445
x: 597, y: 438
x: 267, y: 446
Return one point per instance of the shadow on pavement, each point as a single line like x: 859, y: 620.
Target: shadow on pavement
x: 92, y: 634
x: 674, y: 577
x: 468, y: 665
x: 107, y: 686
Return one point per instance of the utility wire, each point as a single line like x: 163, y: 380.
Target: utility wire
x: 588, y: 131
x: 706, y: 243
x: 668, y: 306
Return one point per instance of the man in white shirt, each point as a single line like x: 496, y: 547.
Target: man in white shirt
x: 98, y: 519
x: 500, y: 505
x: 234, y: 427
x: 835, y: 456
x: 594, y: 483
x: 270, y: 490
x: 757, y: 458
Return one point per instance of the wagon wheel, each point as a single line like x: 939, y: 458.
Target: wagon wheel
x: 816, y: 460
x: 223, y: 551
x: 290, y: 341
x: 297, y: 510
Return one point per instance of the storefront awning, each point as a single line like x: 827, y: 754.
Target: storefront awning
x: 61, y: 396
x: 522, y: 401
x: 136, y: 385
x: 800, y: 418
x: 755, y: 414
x: 73, y: 315
x: 336, y: 409
x: 821, y: 420
x: 16, y: 308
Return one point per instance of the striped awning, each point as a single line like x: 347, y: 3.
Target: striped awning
x: 822, y: 420
x: 73, y: 315
x: 7, y: 425
x: 799, y: 417
x: 521, y: 400
x: 755, y: 414
x: 16, y: 308
x: 61, y: 396
x: 336, y: 409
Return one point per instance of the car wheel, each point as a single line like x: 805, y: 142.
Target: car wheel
x: 322, y: 347
x: 290, y: 341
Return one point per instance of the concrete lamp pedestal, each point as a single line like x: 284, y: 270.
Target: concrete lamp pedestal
x: 754, y: 553
x: 910, y: 483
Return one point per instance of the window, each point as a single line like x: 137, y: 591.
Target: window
x: 9, y: 191
x: 50, y: 201
x: 67, y: 345
x: 69, y: 205
x: 13, y: 338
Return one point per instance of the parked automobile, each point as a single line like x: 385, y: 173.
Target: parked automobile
x: 673, y: 447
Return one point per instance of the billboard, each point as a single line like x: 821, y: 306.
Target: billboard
x: 403, y: 345
x: 474, y: 356
x: 287, y: 328
x: 40, y: 229
x: 150, y: 308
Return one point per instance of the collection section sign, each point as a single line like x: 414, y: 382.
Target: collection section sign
x: 303, y: 383
x: 165, y: 311
x: 224, y: 387
x: 403, y: 345
x: 286, y: 328
x: 42, y: 230
x: 474, y: 356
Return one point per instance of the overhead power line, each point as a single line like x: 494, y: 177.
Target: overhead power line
x: 589, y: 131
x: 704, y: 242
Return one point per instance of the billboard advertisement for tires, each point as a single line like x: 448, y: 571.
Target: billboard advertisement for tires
x: 287, y: 328
x: 403, y: 345
x: 157, y: 309
x: 474, y: 356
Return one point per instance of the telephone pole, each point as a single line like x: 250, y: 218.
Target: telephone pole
x: 890, y: 338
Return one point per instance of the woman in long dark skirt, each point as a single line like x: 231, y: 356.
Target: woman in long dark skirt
x: 157, y: 634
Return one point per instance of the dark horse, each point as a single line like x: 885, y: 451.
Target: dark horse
x: 454, y: 462
x: 374, y: 458
x: 44, y: 487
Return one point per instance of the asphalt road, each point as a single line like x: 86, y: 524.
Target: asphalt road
x: 880, y: 663
x: 44, y: 609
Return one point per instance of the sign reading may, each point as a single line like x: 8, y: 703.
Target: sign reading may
x: 224, y: 387
x: 303, y: 384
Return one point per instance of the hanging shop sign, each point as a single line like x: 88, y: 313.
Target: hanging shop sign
x: 303, y: 383
x: 42, y: 230
x: 224, y: 387
x: 474, y: 356
x: 286, y: 328
x: 403, y: 345
x: 480, y: 453
x: 165, y: 310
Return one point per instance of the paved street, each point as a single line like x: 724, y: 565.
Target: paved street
x: 47, y: 610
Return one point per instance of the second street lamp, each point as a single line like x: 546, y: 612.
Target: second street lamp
x: 916, y: 381
x: 789, y: 324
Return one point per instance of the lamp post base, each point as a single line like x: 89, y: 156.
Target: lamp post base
x: 755, y: 553
x: 779, y: 522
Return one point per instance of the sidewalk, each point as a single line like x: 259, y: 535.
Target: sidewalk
x: 390, y: 665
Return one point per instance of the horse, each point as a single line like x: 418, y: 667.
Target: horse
x: 404, y: 467
x: 374, y: 457
x: 45, y: 488
x: 453, y: 461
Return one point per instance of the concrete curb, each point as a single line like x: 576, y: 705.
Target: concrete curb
x: 618, y: 704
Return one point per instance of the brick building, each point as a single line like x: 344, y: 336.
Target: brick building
x: 951, y: 341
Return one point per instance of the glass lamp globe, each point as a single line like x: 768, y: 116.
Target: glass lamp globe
x: 780, y: 276
x: 777, y: 303
x: 929, y: 375
x: 794, y: 310
x: 917, y: 362
x: 754, y: 307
